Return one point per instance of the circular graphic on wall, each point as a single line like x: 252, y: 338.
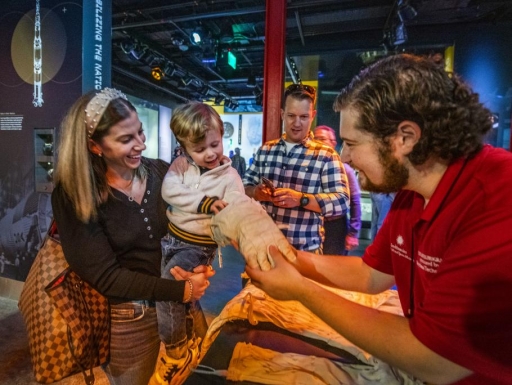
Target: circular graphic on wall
x: 52, y: 51
x: 254, y: 129
x: 228, y: 130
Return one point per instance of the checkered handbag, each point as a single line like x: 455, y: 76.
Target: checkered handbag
x: 67, y: 321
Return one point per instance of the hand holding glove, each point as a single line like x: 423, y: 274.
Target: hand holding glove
x: 245, y: 222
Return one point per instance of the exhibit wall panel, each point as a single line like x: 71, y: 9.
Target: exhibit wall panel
x: 42, y: 64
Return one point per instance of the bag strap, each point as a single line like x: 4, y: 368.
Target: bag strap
x: 88, y: 377
x: 52, y: 231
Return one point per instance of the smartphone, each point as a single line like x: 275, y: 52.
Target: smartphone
x: 268, y: 183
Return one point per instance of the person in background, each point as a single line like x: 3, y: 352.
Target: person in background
x: 381, y: 203
x: 194, y: 187
x: 309, y: 182
x: 409, y: 126
x: 176, y: 153
x: 341, y: 227
x: 110, y: 217
x: 238, y: 163
x: 3, y: 261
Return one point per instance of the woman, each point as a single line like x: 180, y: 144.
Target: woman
x: 111, y: 218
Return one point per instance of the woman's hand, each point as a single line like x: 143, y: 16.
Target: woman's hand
x: 199, y: 279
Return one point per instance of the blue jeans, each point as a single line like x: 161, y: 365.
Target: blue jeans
x: 381, y: 203
x: 134, y: 343
x: 178, y: 322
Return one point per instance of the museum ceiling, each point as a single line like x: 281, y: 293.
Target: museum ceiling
x: 226, y: 64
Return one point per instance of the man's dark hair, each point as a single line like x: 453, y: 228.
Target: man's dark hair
x: 407, y: 87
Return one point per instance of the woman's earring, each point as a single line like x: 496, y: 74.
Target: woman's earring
x: 100, y: 154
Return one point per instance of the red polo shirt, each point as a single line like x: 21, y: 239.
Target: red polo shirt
x: 461, y: 248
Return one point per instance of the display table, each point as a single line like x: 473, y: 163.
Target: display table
x: 265, y: 335
x: 257, y: 338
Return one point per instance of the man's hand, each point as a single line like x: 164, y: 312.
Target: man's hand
x: 286, y: 197
x: 262, y: 193
x: 283, y: 282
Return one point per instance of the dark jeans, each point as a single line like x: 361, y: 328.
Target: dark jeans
x: 335, y: 233
x: 178, y: 322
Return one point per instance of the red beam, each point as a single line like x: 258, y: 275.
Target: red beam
x: 273, y: 76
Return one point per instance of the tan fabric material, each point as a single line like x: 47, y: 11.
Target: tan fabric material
x: 264, y: 366
x: 245, y: 222
x: 255, y: 306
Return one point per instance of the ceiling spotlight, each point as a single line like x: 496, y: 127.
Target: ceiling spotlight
x: 138, y: 51
x: 218, y: 99
x: 186, y: 80
x: 149, y: 58
x: 406, y: 11
x: 205, y: 91
x: 399, y: 35
x: 169, y: 69
x: 196, y: 38
x: 231, y: 104
x: 157, y: 73
x: 127, y: 46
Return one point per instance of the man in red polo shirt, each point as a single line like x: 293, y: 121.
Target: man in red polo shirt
x: 446, y: 243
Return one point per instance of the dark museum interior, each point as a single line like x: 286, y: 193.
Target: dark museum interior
x: 164, y: 53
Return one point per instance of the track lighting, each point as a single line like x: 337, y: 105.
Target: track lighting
x: 186, y: 80
x: 218, y: 99
x: 196, y: 38
x: 157, y: 73
x: 169, y: 69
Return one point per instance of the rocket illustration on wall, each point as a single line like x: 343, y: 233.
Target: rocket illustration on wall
x: 38, y: 60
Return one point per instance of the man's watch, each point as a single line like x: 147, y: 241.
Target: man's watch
x: 304, y: 200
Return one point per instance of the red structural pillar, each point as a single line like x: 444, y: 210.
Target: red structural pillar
x: 273, y: 76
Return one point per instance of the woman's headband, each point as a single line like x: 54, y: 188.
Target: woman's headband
x: 97, y: 106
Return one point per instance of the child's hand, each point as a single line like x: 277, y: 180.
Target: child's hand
x: 217, y: 206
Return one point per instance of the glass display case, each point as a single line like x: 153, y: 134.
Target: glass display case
x: 44, y: 148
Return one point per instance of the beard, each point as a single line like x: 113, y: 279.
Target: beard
x: 396, y: 175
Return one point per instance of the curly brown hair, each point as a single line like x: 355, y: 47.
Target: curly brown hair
x: 408, y: 87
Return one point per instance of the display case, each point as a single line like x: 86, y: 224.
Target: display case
x: 44, y: 152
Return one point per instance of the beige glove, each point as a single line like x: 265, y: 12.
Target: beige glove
x: 246, y: 222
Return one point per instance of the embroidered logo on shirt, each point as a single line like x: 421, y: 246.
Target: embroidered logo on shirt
x: 428, y: 263
x: 398, y: 248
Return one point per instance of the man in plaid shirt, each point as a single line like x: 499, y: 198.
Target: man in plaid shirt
x: 309, y: 181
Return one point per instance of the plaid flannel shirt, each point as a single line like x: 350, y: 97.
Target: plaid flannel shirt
x: 310, y: 168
